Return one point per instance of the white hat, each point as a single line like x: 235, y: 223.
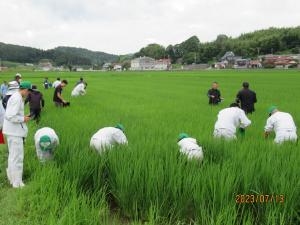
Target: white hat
x: 18, y: 75
x: 13, y: 87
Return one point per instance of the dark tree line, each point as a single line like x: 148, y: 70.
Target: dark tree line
x: 60, y: 56
x: 250, y: 45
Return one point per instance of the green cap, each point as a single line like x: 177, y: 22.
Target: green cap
x: 25, y: 85
x: 272, y: 108
x: 45, y: 143
x: 120, y: 126
x: 182, y: 136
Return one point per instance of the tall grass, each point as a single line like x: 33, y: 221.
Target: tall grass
x: 148, y: 181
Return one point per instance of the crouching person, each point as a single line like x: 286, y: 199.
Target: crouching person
x: 46, y: 140
x: 79, y: 90
x: 229, y: 120
x: 108, y: 137
x: 189, y: 147
x: 282, y: 124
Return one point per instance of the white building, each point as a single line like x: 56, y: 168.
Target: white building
x: 147, y: 63
x: 162, y: 64
x: 117, y: 67
x: 142, y: 63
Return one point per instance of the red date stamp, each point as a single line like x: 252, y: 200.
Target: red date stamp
x: 259, y: 198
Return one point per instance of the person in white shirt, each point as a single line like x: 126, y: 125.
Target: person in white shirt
x: 13, y: 87
x: 229, y: 120
x: 108, y: 137
x: 56, y: 83
x: 15, y: 129
x: 46, y: 140
x: 79, y: 90
x: 282, y: 124
x: 189, y: 147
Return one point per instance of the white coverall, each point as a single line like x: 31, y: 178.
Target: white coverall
x: 56, y: 83
x: 44, y: 155
x: 2, y: 114
x: 229, y: 120
x: 283, y: 125
x: 189, y: 147
x: 15, y: 130
x: 78, y: 90
x: 106, y: 138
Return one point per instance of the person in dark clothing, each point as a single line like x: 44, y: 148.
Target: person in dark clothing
x: 214, y: 94
x: 36, y: 103
x: 246, y: 98
x: 57, y: 98
x: 46, y: 83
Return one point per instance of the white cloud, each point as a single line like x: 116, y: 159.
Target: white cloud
x: 124, y: 26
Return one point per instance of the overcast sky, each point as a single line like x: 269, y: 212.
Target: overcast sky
x: 124, y: 26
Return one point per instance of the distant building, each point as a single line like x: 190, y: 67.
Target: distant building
x: 280, y: 61
x: 147, y: 63
x: 142, y: 63
x: 106, y: 66
x: 241, y: 64
x: 117, y: 67
x: 45, y: 66
x: 162, y: 64
x: 255, y: 64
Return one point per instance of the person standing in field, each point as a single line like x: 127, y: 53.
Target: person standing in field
x: 282, y: 124
x: 214, y: 94
x: 189, y: 147
x: 80, y: 89
x: 3, y: 89
x: 56, y: 83
x: 229, y: 120
x: 108, y: 137
x: 247, y: 98
x: 57, y: 97
x: 15, y: 129
x: 46, y: 83
x: 13, y: 87
x: 46, y: 140
x: 2, y: 114
x: 36, y: 103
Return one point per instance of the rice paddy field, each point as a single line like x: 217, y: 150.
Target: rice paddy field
x: 148, y: 181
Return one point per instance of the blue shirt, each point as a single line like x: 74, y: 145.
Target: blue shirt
x: 3, y: 89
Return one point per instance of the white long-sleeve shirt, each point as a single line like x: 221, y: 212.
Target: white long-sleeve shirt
x: 189, y: 147
x: 56, y: 83
x: 107, y: 137
x: 14, y: 117
x: 46, y: 131
x: 280, y: 122
x: 232, y: 118
x: 78, y: 90
x: 2, y: 114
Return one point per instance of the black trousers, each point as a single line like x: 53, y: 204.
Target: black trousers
x: 35, y: 114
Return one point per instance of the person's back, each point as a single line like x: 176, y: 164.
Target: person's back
x: 247, y: 98
x: 35, y: 99
x: 107, y: 137
x: 189, y: 147
x: 78, y: 90
x: 283, y: 125
x: 229, y: 120
x: 282, y: 121
x: 56, y: 83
